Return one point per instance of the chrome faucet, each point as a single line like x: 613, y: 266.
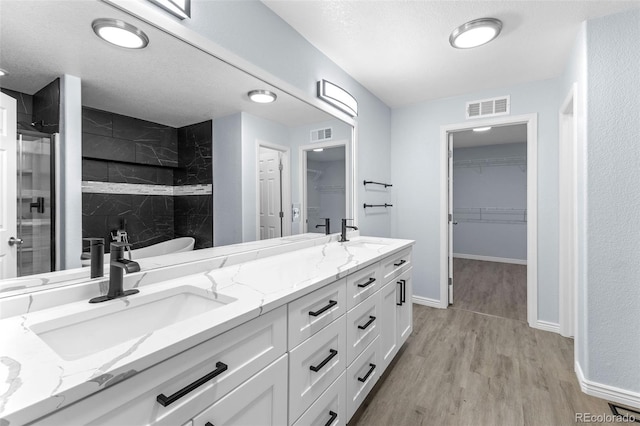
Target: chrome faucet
x: 326, y: 226
x: 343, y: 235
x: 118, y: 266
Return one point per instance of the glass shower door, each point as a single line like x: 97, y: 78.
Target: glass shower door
x: 35, y: 206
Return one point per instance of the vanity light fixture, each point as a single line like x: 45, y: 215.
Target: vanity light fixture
x: 475, y: 33
x: 482, y: 129
x: 262, y: 96
x: 338, y: 97
x: 120, y: 33
x: 178, y: 8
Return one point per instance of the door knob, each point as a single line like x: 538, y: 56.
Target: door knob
x: 455, y: 223
x: 16, y: 241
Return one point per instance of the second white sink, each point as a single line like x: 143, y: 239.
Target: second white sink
x: 116, y: 321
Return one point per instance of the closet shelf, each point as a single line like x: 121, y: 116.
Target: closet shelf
x: 330, y: 188
x: 479, y: 163
x: 490, y: 215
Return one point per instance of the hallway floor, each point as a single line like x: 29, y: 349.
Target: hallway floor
x: 465, y: 368
x: 490, y: 288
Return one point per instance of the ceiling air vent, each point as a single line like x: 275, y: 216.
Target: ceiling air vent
x: 488, y: 107
x: 321, y: 135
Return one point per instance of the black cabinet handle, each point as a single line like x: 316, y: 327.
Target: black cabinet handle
x: 333, y: 418
x: 371, y: 281
x: 366, y: 376
x: 208, y: 424
x: 402, y: 262
x: 401, y: 294
x: 331, y: 304
x: 167, y: 400
x: 317, y: 368
x: 368, y: 323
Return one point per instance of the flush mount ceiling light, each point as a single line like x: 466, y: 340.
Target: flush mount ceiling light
x: 3, y: 72
x: 318, y: 149
x: 262, y: 96
x: 475, y: 33
x: 120, y: 33
x: 482, y: 129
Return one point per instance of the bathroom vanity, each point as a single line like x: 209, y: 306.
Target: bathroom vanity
x: 284, y: 334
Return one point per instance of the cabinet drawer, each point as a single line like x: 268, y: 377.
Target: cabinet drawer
x: 262, y: 400
x: 361, y: 376
x: 330, y: 408
x: 395, y: 264
x: 314, y: 365
x: 313, y: 312
x: 362, y: 284
x: 245, y: 350
x: 363, y: 326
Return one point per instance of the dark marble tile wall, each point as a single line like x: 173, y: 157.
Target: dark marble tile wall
x: 24, y: 105
x: 148, y: 219
x: 109, y: 136
x: 193, y: 214
x: 46, y: 108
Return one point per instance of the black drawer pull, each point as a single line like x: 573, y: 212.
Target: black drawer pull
x: 371, y: 281
x: 402, y: 262
x: 167, y: 400
x: 317, y: 368
x: 401, y: 293
x: 331, y: 304
x: 371, y: 320
x: 366, y: 376
x: 333, y: 418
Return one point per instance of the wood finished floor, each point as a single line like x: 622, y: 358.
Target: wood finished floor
x: 491, y: 288
x: 464, y: 368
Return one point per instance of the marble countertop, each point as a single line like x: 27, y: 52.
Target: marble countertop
x: 37, y: 381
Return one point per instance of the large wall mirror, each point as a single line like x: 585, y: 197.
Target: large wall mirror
x: 170, y: 145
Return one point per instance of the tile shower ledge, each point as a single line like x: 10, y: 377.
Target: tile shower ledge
x: 38, y: 381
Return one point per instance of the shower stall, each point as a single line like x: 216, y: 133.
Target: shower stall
x: 36, y: 202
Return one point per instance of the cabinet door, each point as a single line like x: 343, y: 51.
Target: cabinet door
x: 404, y: 311
x: 389, y: 297
x: 261, y: 400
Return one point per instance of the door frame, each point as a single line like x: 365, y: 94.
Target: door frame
x: 531, y: 120
x: 568, y: 207
x: 348, y: 185
x: 285, y: 182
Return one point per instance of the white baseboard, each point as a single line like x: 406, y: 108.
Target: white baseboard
x: 490, y: 258
x: 546, y: 326
x: 419, y: 300
x: 606, y: 392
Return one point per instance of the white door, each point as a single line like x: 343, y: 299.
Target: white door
x: 389, y: 298
x: 404, y: 310
x: 450, y: 216
x: 8, y: 215
x: 271, y: 214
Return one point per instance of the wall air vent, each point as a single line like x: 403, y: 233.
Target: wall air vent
x: 321, y: 135
x: 489, y: 107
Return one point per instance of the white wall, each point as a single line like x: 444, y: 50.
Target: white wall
x: 613, y: 206
x: 492, y: 186
x: 415, y: 166
x: 252, y: 31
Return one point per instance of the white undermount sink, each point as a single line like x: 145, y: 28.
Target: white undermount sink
x: 117, y: 321
x: 367, y: 243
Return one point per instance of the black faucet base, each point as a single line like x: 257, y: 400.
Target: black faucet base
x: 107, y: 297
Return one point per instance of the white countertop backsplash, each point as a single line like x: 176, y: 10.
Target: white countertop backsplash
x: 36, y: 381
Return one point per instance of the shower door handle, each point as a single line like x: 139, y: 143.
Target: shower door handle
x: 15, y: 241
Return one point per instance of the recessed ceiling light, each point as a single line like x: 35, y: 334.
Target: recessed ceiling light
x: 120, y: 33
x: 475, y: 33
x: 482, y: 129
x: 262, y: 96
x: 318, y: 149
x: 3, y: 72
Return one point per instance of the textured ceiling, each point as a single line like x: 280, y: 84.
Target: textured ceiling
x: 400, y: 50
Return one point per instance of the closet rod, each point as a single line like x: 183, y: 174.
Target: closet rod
x: 385, y: 205
x: 376, y: 183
